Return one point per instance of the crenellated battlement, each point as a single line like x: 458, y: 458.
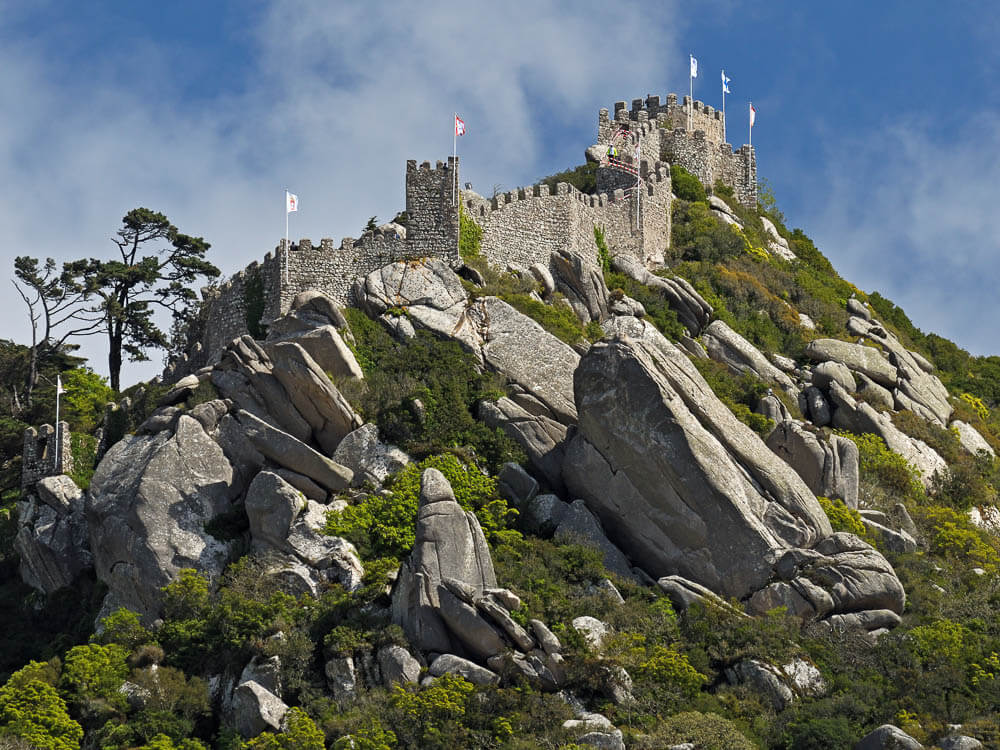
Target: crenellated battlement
x: 663, y: 132
x: 47, y: 452
x: 520, y: 227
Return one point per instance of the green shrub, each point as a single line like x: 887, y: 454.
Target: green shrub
x: 740, y: 393
x: 685, y: 185
x: 86, y: 395
x: 432, y: 717
x: 603, y: 254
x: 83, y: 448
x: 879, y: 464
x: 34, y: 711
x: 841, y: 517
x: 583, y: 178
x: 706, y: 731
x: 383, y: 525
x: 123, y: 627
x: 667, y: 665
x: 696, y: 234
x: 557, y: 319
x: 470, y: 236
x: 826, y: 733
x: 446, y: 381
x: 93, y: 672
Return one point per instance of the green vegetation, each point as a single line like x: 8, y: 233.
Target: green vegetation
x: 84, y: 450
x: 383, y: 525
x: 740, y: 393
x: 470, y: 236
x: 583, y: 178
x: 86, y: 395
x: 603, y: 254
x: 686, y: 186
x: 841, y: 517
x: 422, y: 395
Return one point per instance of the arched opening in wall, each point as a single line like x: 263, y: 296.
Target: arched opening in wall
x: 43, y: 448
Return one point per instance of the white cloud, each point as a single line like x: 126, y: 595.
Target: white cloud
x: 912, y: 213
x: 337, y: 97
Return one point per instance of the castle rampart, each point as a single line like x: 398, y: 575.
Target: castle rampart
x: 520, y: 228
x: 525, y: 226
x: 39, y: 459
x: 663, y: 133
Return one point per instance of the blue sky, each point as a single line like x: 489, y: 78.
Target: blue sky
x: 878, y: 123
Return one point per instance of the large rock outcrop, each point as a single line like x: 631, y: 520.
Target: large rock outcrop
x: 429, y: 291
x: 149, y: 501
x: 739, y: 355
x: 52, y: 539
x: 828, y: 466
x: 540, y: 437
x: 860, y: 417
x: 449, y: 544
x: 683, y: 487
x: 692, y: 311
x: 582, y: 283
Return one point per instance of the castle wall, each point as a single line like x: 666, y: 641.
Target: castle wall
x: 432, y: 209
x: 525, y: 226
x: 711, y: 161
x: 663, y: 134
x: 39, y: 455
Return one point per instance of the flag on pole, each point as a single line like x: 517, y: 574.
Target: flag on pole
x: 725, y: 83
x: 694, y: 67
x: 753, y: 114
x: 291, y: 203
x: 59, y: 388
x: 459, y: 125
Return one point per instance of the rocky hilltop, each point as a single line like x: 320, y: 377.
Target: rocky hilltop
x: 649, y: 499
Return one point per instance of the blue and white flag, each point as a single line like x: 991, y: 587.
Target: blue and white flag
x: 694, y: 67
x: 725, y: 83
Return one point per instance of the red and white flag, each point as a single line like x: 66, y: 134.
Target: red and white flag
x: 753, y: 114
x: 291, y: 202
x: 459, y: 125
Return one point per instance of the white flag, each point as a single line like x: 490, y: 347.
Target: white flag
x: 291, y: 202
x: 59, y: 388
x: 694, y: 67
x: 753, y: 114
x: 725, y: 83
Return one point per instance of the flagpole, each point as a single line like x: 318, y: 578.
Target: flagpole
x: 751, y: 124
x: 287, y: 248
x: 723, y: 106
x: 454, y: 155
x: 690, y: 96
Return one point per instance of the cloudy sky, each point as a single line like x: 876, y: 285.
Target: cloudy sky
x: 878, y: 128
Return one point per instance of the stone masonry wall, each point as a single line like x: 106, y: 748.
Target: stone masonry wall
x: 711, y: 162
x: 331, y: 269
x: 432, y: 209
x: 661, y: 130
x: 525, y: 226
x: 39, y: 454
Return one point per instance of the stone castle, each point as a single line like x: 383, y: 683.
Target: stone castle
x: 520, y: 228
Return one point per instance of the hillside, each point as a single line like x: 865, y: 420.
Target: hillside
x: 616, y: 460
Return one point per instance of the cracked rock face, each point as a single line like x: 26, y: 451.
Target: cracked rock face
x: 52, y: 535
x: 684, y: 488
x: 449, y: 544
x: 149, y: 501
